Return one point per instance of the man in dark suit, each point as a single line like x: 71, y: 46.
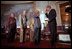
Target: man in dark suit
x: 51, y: 15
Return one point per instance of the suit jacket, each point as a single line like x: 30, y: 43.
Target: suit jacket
x: 37, y: 23
x: 31, y: 23
x: 52, y: 16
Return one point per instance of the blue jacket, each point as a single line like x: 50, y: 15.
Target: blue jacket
x: 37, y: 23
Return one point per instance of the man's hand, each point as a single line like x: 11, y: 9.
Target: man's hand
x: 46, y: 11
x: 48, y: 19
x: 28, y: 26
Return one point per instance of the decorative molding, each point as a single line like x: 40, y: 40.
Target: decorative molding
x: 15, y: 2
x: 61, y: 2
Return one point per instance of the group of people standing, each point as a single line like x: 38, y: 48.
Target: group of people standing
x: 34, y: 23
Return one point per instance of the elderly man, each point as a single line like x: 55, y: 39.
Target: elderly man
x: 24, y: 21
x: 37, y: 27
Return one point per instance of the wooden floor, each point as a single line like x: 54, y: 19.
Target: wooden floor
x: 43, y: 44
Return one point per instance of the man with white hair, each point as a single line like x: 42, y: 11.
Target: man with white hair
x: 37, y: 27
